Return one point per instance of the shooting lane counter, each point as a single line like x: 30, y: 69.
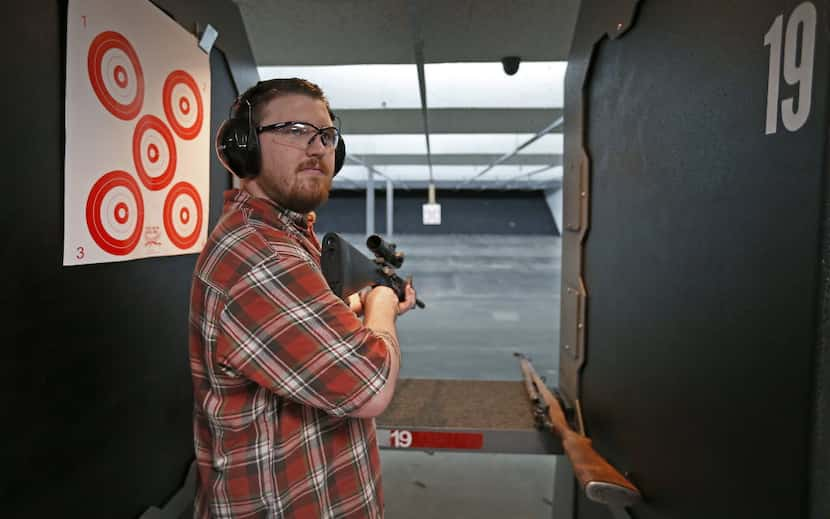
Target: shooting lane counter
x: 463, y: 415
x: 696, y: 256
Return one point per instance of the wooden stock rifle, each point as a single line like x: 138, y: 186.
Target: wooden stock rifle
x: 599, y: 480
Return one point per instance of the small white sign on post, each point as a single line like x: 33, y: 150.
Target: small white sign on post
x: 432, y: 214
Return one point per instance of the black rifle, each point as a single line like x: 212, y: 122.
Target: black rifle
x: 347, y: 270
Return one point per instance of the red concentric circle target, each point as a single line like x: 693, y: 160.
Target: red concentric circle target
x: 116, y: 75
x: 183, y: 215
x: 115, y: 213
x: 154, y: 153
x: 182, y: 104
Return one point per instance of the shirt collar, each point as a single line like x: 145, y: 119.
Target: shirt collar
x: 269, y: 210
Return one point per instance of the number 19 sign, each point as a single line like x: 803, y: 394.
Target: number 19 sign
x: 429, y: 440
x: 795, y: 71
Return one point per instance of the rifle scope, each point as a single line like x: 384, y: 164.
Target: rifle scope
x: 385, y: 250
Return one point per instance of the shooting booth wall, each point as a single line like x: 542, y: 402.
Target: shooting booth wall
x: 97, y: 405
x: 694, y: 322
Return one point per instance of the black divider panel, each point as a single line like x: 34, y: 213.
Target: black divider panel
x: 702, y: 262
x: 96, y: 392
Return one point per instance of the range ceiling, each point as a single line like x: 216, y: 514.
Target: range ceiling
x: 486, y: 113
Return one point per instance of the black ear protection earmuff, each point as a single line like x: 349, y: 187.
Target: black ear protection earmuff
x: 237, y: 141
x: 339, y: 155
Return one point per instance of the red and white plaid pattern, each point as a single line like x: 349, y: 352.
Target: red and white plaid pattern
x: 278, y: 361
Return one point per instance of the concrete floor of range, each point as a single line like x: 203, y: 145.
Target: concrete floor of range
x: 487, y: 296
x: 467, y: 486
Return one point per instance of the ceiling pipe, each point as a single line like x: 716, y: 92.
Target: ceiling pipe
x: 355, y: 160
x: 418, y: 43
x: 419, y: 58
x: 541, y: 133
x: 348, y: 181
x: 505, y: 184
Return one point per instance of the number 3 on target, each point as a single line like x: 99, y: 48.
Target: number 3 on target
x: 400, y: 439
x: 794, y: 113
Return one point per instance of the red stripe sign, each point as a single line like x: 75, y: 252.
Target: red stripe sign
x: 405, y: 439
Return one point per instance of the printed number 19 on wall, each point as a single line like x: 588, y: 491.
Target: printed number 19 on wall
x: 796, y: 71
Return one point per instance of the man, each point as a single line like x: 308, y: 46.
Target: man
x: 287, y: 379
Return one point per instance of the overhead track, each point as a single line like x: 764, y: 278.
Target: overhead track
x: 422, y: 83
x: 505, y: 184
x: 355, y: 160
x: 544, y: 131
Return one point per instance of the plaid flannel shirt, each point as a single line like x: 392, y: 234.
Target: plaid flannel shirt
x: 278, y: 361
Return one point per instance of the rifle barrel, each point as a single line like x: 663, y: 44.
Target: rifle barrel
x: 528, y: 378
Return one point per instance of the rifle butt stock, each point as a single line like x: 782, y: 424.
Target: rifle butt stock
x: 345, y: 268
x: 600, y: 481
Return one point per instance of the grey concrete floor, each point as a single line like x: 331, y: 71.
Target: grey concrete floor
x: 467, y: 486
x: 487, y: 296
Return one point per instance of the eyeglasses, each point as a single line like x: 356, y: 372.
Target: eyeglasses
x: 300, y: 134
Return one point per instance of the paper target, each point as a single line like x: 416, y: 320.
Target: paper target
x: 154, y: 153
x: 115, y: 213
x: 183, y: 215
x: 182, y: 104
x: 116, y: 75
x: 137, y: 154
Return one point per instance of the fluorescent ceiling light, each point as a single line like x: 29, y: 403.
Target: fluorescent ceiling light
x: 452, y: 143
x: 358, y: 86
x: 449, y: 85
x: 451, y: 173
x: 485, y: 85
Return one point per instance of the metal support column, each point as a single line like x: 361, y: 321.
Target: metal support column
x: 370, y: 202
x: 390, y: 208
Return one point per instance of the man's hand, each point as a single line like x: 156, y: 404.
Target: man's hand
x: 357, y: 301
x: 408, y: 303
x: 380, y: 300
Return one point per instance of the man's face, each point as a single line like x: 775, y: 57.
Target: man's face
x: 297, y: 177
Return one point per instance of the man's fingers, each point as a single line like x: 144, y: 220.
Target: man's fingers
x: 409, y: 302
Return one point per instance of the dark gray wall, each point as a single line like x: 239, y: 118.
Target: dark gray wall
x: 462, y: 212
x: 96, y: 395
x: 224, y: 16
x: 702, y: 264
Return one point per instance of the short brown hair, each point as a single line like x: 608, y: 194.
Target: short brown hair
x: 260, y: 94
